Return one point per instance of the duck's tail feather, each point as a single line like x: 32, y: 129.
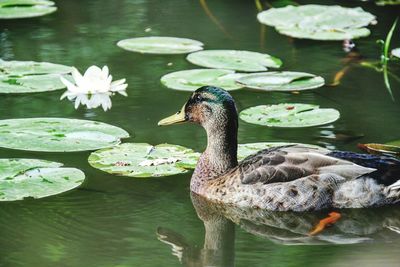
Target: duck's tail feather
x: 392, y: 192
x: 387, y: 168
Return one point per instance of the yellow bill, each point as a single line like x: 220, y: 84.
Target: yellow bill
x: 178, y: 117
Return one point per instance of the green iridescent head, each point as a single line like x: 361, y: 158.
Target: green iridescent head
x: 208, y: 104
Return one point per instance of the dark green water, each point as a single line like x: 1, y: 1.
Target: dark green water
x: 113, y: 221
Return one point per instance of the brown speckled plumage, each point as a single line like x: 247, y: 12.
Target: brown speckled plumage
x: 296, y: 178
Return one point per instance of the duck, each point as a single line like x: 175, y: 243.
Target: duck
x: 294, y: 177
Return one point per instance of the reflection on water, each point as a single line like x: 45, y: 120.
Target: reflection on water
x: 282, y: 228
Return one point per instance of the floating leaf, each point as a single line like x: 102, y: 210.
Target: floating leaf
x: 30, y: 76
x: 245, y: 150
x: 289, y: 115
x: 161, y: 45
x: 281, y: 81
x: 387, y: 2
x: 332, y: 35
x: 16, y: 9
x: 374, y: 148
x: 396, y: 52
x: 22, y: 178
x: 190, y: 80
x: 58, y: 134
x: 234, y: 60
x: 144, y: 160
x: 318, y: 22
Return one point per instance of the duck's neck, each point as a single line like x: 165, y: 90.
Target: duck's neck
x: 220, y: 154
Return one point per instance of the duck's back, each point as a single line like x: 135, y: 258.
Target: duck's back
x: 296, y: 178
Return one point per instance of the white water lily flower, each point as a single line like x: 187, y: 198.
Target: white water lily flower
x: 94, y: 88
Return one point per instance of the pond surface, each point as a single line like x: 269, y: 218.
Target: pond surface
x: 117, y: 221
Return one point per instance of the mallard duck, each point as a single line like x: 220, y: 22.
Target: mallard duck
x: 286, y: 178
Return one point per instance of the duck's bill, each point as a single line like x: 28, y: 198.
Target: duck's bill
x: 178, y: 117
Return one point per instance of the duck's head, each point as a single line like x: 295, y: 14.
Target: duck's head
x: 208, y: 106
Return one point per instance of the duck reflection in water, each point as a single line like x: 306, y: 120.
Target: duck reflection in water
x: 283, y: 228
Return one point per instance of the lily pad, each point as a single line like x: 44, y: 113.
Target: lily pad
x: 16, y: 9
x: 22, y: 178
x: 30, y: 76
x: 190, y: 80
x: 144, y: 160
x: 374, y: 148
x: 289, y: 115
x: 281, y: 81
x: 396, y: 52
x: 58, y: 134
x: 319, y: 22
x: 332, y: 35
x: 245, y: 150
x: 234, y: 60
x: 387, y: 2
x: 161, y: 45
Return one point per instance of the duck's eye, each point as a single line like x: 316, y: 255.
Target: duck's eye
x: 198, y: 98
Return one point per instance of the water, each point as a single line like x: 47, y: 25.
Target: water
x: 114, y: 221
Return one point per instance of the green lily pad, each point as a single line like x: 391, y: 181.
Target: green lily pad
x: 22, y: 178
x: 161, y: 45
x: 30, y: 76
x: 396, y: 52
x: 234, y: 60
x: 281, y: 81
x: 190, y: 80
x: 144, y: 160
x: 289, y: 115
x: 16, y: 9
x: 319, y: 22
x: 58, y: 134
x: 387, y: 2
x: 332, y: 35
x: 374, y: 148
x: 245, y: 150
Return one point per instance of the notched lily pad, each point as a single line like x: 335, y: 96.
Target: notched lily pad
x: 161, y: 45
x: 22, y: 178
x: 144, y: 160
x: 289, y: 115
x: 319, y: 22
x: 30, y: 76
x: 374, y: 148
x: 58, y: 134
x: 247, y: 61
x: 396, y: 52
x: 281, y: 81
x: 190, y: 80
x: 16, y: 9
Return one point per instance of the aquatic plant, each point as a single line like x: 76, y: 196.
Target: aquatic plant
x: 94, y: 88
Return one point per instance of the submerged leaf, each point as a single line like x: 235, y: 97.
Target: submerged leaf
x: 144, y: 160
x: 234, y: 60
x: 331, y: 219
x: 161, y: 45
x: 58, y: 134
x: 16, y: 9
x: 22, y: 178
x: 190, y: 80
x: 289, y: 115
x: 281, y: 81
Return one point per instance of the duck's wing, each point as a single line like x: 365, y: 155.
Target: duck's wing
x: 288, y: 163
